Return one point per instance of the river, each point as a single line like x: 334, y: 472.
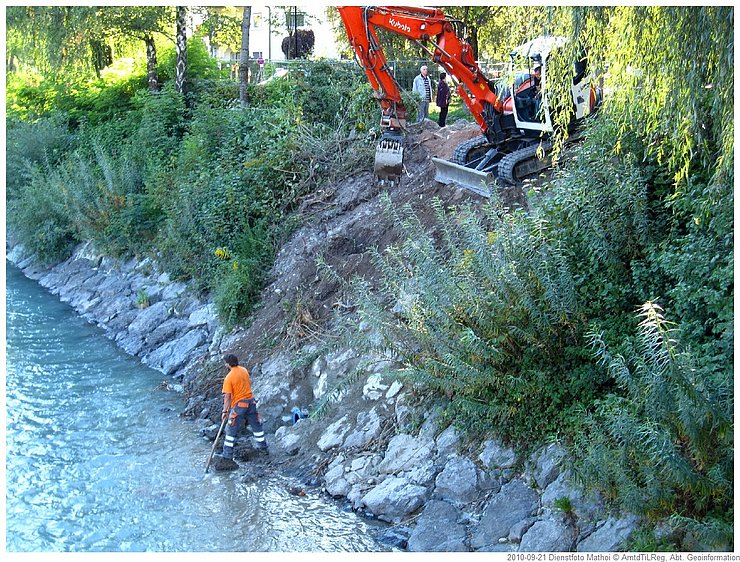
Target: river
x: 97, y: 458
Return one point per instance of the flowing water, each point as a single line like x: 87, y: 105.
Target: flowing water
x: 97, y: 458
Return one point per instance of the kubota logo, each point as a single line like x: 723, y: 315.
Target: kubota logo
x: 399, y: 25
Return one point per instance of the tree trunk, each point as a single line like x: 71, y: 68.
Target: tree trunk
x: 181, y: 51
x: 244, y: 56
x: 151, y: 63
x: 471, y: 30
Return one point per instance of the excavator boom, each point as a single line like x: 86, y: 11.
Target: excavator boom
x: 436, y: 34
x: 515, y: 127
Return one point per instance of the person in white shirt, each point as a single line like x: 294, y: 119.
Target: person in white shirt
x: 423, y: 86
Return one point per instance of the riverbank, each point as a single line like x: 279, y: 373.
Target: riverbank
x: 374, y: 449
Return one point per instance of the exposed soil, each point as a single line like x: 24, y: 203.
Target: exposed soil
x: 340, y: 223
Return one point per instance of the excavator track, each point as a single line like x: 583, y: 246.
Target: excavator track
x: 460, y: 156
x: 523, y: 162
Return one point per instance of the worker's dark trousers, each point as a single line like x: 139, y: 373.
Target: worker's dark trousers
x: 443, y: 116
x: 244, y: 410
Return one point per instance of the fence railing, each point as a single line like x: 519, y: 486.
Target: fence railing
x: 403, y: 70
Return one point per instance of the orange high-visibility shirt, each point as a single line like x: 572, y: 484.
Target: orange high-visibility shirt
x: 238, y: 384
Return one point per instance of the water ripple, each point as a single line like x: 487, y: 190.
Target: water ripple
x: 93, y: 465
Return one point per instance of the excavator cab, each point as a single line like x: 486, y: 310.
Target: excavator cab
x: 529, y: 104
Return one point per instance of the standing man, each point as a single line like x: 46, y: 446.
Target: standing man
x: 239, y: 406
x: 423, y: 87
x: 443, y: 99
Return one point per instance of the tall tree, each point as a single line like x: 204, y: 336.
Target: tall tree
x: 181, y: 47
x: 221, y: 27
x: 141, y: 23
x: 53, y: 39
x: 244, y: 56
x: 151, y: 62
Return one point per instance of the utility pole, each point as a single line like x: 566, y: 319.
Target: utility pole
x: 295, y: 32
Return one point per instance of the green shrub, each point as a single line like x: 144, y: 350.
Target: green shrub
x: 41, y: 221
x: 487, y: 316
x: 31, y: 146
x: 664, y: 444
x: 242, y: 276
x: 28, y: 97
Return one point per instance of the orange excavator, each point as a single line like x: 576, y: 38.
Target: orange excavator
x: 514, y: 115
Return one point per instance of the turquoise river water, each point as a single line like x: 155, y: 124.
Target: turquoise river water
x: 97, y: 458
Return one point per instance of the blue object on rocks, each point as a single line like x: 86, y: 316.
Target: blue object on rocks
x: 298, y: 414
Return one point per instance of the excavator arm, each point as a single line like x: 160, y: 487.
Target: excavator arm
x: 436, y: 34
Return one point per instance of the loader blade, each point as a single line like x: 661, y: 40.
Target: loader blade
x: 389, y: 160
x: 467, y: 178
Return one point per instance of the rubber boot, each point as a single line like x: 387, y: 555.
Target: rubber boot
x: 221, y: 463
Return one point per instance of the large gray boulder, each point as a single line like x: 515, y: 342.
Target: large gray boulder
x: 334, y: 434
x: 495, y: 455
x: 546, y: 464
x: 173, y: 355
x: 394, y: 498
x: 447, y: 442
x: 288, y: 441
x: 438, y: 530
x: 368, y: 428
x: 149, y: 319
x: 458, y: 481
x: 204, y: 316
x: 374, y: 387
x: 335, y: 482
x: 611, y: 536
x: 549, y: 535
x: 586, y: 507
x: 423, y: 473
x: 404, y: 452
x: 514, y: 502
x: 166, y: 331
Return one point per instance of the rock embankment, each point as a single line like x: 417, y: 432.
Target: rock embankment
x: 364, y: 452
x: 142, y: 310
x: 373, y: 449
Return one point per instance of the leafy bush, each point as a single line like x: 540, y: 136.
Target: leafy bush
x: 243, y: 274
x: 32, y: 146
x: 488, y: 316
x: 41, y: 221
x: 29, y: 97
x: 665, y: 444
x: 199, y: 64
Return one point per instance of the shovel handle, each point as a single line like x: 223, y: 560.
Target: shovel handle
x: 215, y: 442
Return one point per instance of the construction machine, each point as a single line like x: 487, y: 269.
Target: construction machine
x: 514, y: 115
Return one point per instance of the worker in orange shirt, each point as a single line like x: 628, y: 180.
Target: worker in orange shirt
x: 239, y: 406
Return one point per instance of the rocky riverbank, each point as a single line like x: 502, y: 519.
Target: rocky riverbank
x: 373, y: 450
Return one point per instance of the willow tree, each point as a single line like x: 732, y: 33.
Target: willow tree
x: 53, y: 39
x: 668, y: 74
x: 140, y: 23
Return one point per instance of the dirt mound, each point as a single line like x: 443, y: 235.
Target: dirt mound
x: 340, y: 224
x: 442, y: 142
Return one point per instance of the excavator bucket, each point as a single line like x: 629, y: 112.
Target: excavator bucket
x: 389, y: 159
x: 467, y: 178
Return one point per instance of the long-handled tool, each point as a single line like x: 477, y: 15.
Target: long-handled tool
x: 215, y: 443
